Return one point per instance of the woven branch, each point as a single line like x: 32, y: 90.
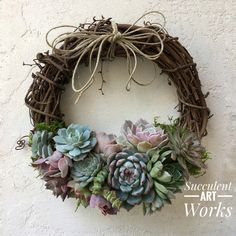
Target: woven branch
x: 44, y: 95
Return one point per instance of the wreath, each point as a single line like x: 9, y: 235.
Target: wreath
x: 149, y: 162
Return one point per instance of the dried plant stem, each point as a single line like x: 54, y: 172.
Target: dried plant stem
x: 56, y: 69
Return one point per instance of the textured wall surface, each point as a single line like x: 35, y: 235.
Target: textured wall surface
x: 206, y: 28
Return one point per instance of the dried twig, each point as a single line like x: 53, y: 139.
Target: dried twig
x: 44, y: 95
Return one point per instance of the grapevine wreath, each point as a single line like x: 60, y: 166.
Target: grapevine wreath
x: 148, y: 163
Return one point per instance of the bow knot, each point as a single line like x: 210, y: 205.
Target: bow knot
x: 90, y: 41
x: 116, y: 35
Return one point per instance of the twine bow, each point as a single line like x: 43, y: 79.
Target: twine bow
x: 89, y: 41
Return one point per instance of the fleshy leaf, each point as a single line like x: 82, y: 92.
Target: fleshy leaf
x: 144, y: 146
x: 165, y: 177
x: 63, y: 167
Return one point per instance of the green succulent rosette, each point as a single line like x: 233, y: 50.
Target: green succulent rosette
x: 167, y: 178
x: 83, y: 172
x: 186, y: 148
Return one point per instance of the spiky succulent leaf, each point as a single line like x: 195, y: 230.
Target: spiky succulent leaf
x: 197, y: 171
x: 186, y: 149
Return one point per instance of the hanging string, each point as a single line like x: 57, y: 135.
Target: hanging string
x: 90, y: 41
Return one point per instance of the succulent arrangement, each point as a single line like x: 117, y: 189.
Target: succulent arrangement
x: 146, y: 165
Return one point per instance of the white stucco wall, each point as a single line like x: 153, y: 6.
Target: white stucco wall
x: 206, y: 28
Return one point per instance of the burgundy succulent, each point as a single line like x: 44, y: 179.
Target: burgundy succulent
x: 58, y: 186
x: 54, y: 171
x: 102, y: 204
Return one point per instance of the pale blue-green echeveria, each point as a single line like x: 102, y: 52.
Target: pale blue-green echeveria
x: 128, y: 175
x: 83, y: 172
x: 41, y: 145
x: 76, y: 141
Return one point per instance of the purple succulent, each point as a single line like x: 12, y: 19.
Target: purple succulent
x: 143, y: 135
x: 102, y: 204
x: 56, y: 165
x: 106, y: 144
x: 58, y: 186
x: 54, y: 170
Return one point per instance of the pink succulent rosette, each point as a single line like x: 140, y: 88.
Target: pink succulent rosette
x: 143, y: 135
x: 106, y: 144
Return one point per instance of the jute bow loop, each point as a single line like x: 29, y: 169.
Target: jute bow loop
x: 90, y: 41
